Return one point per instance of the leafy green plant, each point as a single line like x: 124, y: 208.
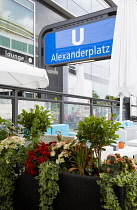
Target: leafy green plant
x: 10, y: 154
x: 6, y: 185
x: 107, y: 185
x: 35, y: 122
x: 118, y: 171
x: 94, y: 94
x: 48, y: 187
x: 7, y: 128
x: 98, y: 132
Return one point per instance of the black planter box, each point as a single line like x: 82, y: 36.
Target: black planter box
x: 26, y: 195
x: 121, y: 194
x: 77, y: 192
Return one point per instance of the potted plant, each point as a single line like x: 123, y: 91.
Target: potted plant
x: 119, y: 173
x: 35, y: 122
x: 97, y: 132
x: 67, y: 174
x: 11, y: 152
x: 44, y: 163
x: 55, y: 172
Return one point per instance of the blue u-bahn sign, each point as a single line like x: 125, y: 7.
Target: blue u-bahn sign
x: 79, y: 43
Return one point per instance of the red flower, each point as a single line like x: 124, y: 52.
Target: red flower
x: 46, y: 153
x: 37, y: 156
x: 31, y: 152
x: 41, y: 160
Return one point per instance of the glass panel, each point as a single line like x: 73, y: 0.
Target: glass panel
x: 102, y: 102
x: 76, y: 9
x: 101, y: 69
x: 76, y: 100
x: 31, y: 49
x: 124, y: 114
x: 19, y: 24
x: 53, y: 107
x: 99, y: 5
x: 116, y: 103
x: 116, y: 111
x: 75, y: 113
x: 19, y: 46
x: 6, y: 109
x: 103, y: 3
x: 29, y: 95
x: 86, y: 5
x: 26, y: 3
x: 55, y: 110
x: 4, y: 92
x: 17, y: 14
x: 63, y: 3
x: 102, y: 112
x: 4, y: 41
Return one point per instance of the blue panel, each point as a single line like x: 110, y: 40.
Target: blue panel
x: 63, y: 128
x: 72, y: 134
x: 79, y: 43
x: 48, y: 131
x: 129, y: 123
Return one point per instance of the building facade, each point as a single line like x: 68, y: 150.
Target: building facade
x: 21, y: 22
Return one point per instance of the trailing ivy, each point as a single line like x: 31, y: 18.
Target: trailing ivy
x: 109, y: 198
x: 6, y: 185
x: 48, y: 187
x: 131, y: 191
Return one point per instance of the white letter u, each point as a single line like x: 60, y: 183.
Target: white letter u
x: 81, y: 37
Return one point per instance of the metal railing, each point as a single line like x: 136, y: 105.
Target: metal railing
x: 62, y: 106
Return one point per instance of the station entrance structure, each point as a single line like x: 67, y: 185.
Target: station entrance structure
x: 88, y: 37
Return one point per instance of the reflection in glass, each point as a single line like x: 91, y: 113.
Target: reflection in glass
x: 26, y: 3
x: 102, y: 112
x: 6, y: 109
x: 75, y: 113
x: 18, y: 23
x: 54, y: 108
x: 16, y: 13
x: 116, y: 111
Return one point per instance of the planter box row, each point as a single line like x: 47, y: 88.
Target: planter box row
x: 77, y: 192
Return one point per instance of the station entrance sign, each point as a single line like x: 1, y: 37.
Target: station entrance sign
x: 85, y: 42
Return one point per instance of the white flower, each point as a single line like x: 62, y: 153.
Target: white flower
x: 64, y: 153
x: 60, y: 160
x: 66, y: 146
x: 52, y: 153
x: 59, y: 144
x: 12, y: 142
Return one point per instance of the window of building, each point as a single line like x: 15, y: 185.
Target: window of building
x: 80, y: 7
x: 72, y: 69
x: 17, y: 26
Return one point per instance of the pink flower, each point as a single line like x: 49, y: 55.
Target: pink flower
x: 108, y: 170
x: 108, y: 162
